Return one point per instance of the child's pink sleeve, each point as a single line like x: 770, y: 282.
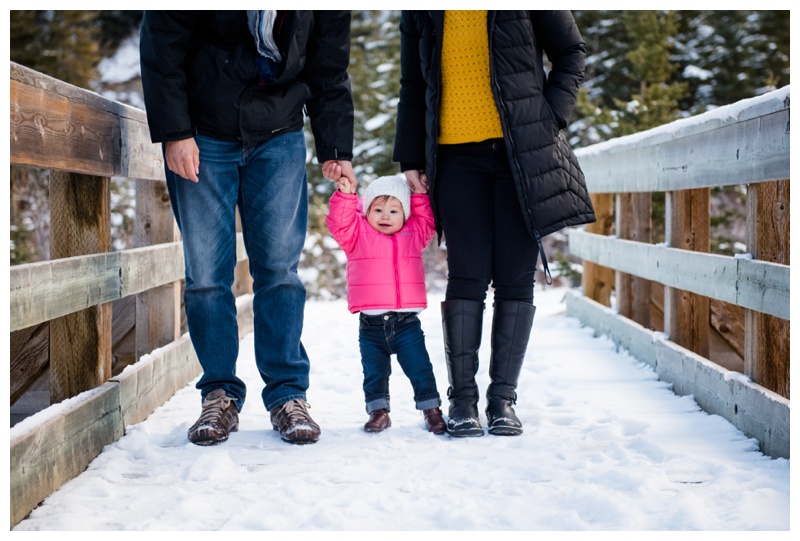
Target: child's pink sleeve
x: 422, y: 217
x: 342, y: 219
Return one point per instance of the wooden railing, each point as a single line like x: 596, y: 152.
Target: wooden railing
x: 675, y: 305
x: 66, y: 303
x: 61, y: 313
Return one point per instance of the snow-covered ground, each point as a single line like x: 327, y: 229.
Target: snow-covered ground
x: 606, y: 447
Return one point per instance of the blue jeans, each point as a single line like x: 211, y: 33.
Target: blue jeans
x: 401, y: 333
x: 268, y: 183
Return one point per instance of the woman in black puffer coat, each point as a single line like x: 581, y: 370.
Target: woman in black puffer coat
x: 479, y: 124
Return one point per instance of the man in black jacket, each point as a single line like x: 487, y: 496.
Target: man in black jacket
x: 225, y: 93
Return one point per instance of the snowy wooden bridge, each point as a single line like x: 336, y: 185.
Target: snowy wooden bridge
x: 714, y: 327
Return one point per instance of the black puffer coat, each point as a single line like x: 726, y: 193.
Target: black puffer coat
x: 533, y: 107
x: 199, y: 75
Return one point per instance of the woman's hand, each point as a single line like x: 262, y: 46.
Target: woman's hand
x: 417, y: 180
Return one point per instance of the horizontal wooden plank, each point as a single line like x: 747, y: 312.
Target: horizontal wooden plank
x: 57, y: 444
x: 29, y: 358
x: 756, y: 411
x: 47, y: 290
x: 51, y: 132
x: 141, y: 159
x: 151, y: 266
x: 51, y: 289
x: 55, y: 125
x: 45, y: 455
x: 32, y: 78
x: 740, y: 143
x: 754, y: 284
x: 155, y: 377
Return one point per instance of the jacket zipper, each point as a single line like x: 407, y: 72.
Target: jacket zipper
x: 396, y: 271
x: 507, y: 133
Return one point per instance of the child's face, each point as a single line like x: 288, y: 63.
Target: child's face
x: 386, y: 215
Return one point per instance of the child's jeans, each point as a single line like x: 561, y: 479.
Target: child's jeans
x: 399, y: 333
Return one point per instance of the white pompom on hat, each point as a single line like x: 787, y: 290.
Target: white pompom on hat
x: 394, y: 185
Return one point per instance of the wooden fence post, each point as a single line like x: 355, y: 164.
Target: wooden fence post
x: 633, y: 215
x: 599, y: 281
x: 80, y: 343
x: 158, y: 309
x: 766, y: 354
x: 688, y: 227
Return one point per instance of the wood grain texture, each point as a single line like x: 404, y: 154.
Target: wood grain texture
x: 745, y: 142
x: 597, y: 281
x: 80, y: 342
x: 758, y: 285
x: 688, y: 227
x: 767, y: 338
x: 55, y: 125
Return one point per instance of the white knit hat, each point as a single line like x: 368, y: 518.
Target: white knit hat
x: 394, y: 185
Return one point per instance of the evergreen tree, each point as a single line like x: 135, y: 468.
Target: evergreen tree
x: 654, y: 94
x: 62, y: 44
x: 643, y: 91
x: 728, y: 56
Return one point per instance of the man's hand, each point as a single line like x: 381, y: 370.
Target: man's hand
x: 336, y: 169
x: 183, y: 158
x: 417, y: 180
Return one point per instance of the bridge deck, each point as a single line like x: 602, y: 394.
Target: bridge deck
x: 606, y: 447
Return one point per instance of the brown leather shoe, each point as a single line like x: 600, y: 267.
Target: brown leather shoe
x: 218, y: 419
x: 434, y: 421
x: 292, y: 421
x: 378, y: 421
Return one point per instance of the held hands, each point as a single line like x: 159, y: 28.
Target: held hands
x: 183, y: 158
x: 417, y: 180
x: 341, y: 172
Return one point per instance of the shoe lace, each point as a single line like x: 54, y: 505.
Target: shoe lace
x: 296, y: 411
x: 213, y: 409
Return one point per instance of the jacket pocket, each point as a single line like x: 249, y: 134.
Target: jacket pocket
x: 548, y: 113
x: 568, y: 163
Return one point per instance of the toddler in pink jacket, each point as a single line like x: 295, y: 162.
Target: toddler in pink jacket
x: 383, y: 236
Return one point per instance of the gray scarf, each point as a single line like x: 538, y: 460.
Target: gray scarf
x: 260, y: 24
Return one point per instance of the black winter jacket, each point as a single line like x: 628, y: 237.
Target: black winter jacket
x: 533, y: 107
x: 199, y: 76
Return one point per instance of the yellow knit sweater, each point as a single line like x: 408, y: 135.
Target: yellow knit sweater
x: 468, y: 112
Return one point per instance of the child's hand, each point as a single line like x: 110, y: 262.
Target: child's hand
x: 344, y: 185
x: 341, y: 172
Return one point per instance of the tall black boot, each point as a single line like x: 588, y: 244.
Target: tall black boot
x: 511, y: 329
x: 462, y: 323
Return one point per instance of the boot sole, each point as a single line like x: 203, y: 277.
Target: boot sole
x: 376, y: 430
x: 213, y: 441
x: 210, y: 441
x: 505, y: 431
x: 300, y: 440
x: 470, y: 433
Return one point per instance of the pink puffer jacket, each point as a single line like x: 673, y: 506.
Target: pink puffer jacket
x: 383, y: 272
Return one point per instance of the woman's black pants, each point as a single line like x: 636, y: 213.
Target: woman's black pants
x: 485, y: 235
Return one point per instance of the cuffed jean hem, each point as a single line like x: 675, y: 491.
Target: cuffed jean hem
x: 378, y: 404
x: 277, y: 402
x: 428, y: 404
